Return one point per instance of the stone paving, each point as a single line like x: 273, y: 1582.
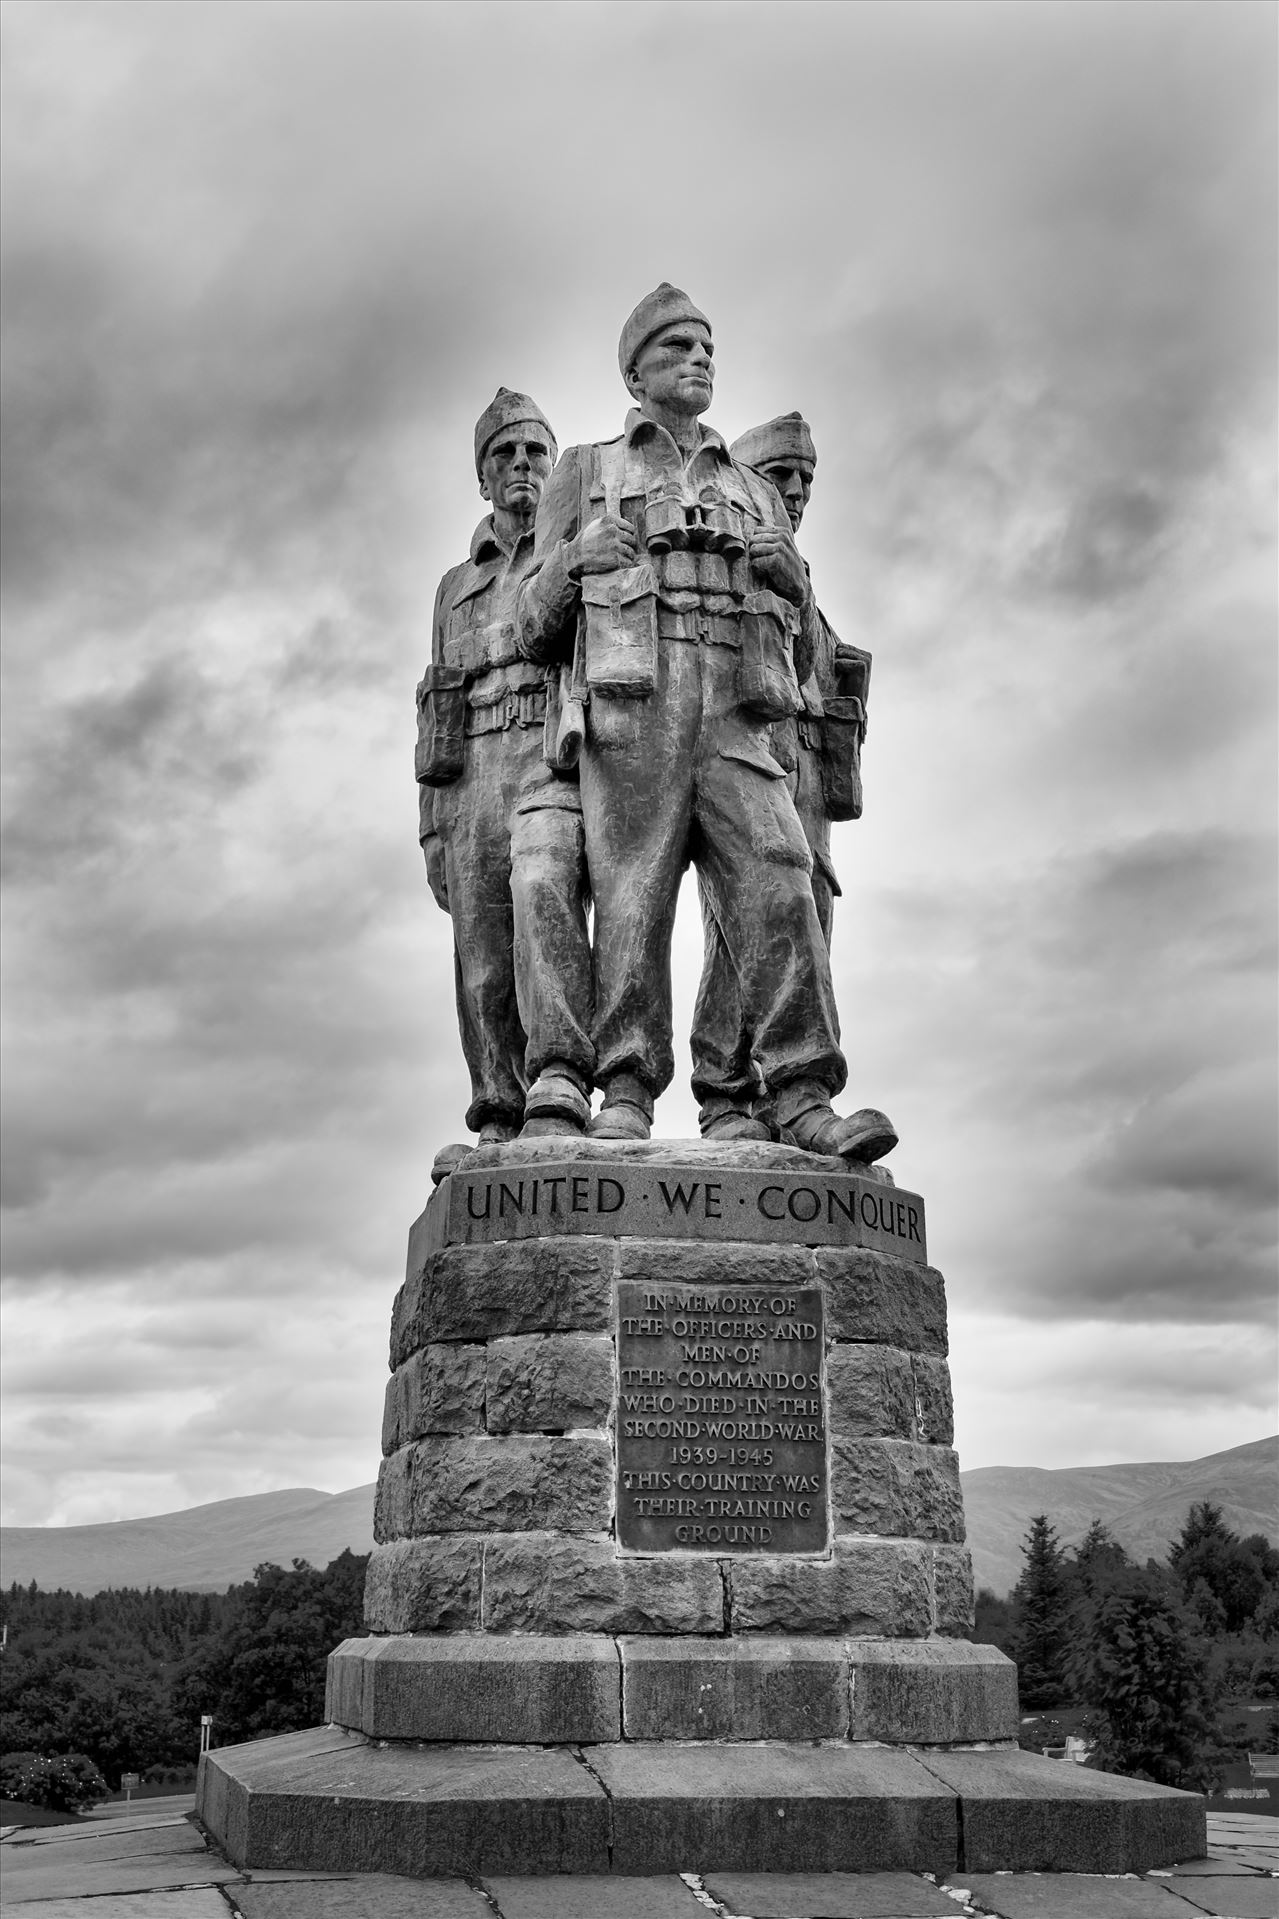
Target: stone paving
x: 154, y: 1864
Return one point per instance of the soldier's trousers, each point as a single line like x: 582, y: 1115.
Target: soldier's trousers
x: 516, y: 875
x: 684, y: 775
x: 720, y: 1043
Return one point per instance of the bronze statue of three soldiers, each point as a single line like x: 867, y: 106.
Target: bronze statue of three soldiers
x: 630, y: 674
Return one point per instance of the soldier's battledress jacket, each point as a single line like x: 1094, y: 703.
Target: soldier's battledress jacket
x: 682, y: 663
x: 473, y: 630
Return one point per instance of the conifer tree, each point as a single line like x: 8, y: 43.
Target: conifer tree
x: 1144, y: 1671
x: 1042, y: 1599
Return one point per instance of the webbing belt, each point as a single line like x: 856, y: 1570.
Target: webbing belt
x: 514, y: 709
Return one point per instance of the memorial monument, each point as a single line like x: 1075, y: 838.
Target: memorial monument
x: 670, y: 1572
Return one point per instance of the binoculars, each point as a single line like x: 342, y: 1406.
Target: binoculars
x: 707, y: 525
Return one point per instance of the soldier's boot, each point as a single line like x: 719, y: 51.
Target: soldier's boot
x: 449, y: 1158
x: 807, y: 1119
x: 722, y: 1117
x: 558, y: 1101
x: 627, y: 1112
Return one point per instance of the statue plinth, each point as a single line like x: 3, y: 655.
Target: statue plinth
x: 670, y: 1571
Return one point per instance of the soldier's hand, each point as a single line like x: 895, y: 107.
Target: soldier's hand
x: 602, y: 547
x: 775, y: 557
x: 436, y: 876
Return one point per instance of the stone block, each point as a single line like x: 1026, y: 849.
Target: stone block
x: 406, y: 1311
x: 344, y: 1682
x: 871, y: 1392
x: 517, y: 1286
x: 685, y: 1262
x: 391, y: 1416
x: 334, y: 1802
x: 953, y: 1607
x: 1025, y: 1813
x: 393, y: 1499
x: 773, y: 1808
x: 923, y: 1692
x: 512, y: 1484
x: 734, y: 1689
x: 876, y: 1299
x: 424, y: 1585
x: 441, y: 1391
x: 934, y: 1404
x: 866, y: 1586
x: 897, y: 1488
x: 549, y: 1382
x: 479, y: 1687
x: 536, y: 1583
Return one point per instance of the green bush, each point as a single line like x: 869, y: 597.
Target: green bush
x: 66, y: 1783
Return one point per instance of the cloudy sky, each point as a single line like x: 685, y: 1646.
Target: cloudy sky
x: 264, y: 265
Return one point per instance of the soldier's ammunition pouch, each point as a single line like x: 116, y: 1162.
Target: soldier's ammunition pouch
x: 766, y: 678
x: 441, y: 722
x: 620, y: 632
x: 842, y: 732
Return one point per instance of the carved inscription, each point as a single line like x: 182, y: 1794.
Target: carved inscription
x: 662, y: 1202
x: 721, y: 1419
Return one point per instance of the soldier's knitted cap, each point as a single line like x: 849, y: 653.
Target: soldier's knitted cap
x: 504, y: 410
x: 661, y: 308
x: 785, y: 441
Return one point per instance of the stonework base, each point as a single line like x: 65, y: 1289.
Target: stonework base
x: 332, y: 1800
x: 670, y: 1571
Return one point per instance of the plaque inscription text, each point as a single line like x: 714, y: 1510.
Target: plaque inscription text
x: 721, y: 1419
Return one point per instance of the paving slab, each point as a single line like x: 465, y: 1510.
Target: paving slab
x: 191, y: 1903
x: 778, y: 1808
x: 45, y: 1875
x: 594, y: 1896
x: 829, y: 1895
x: 374, y: 1895
x: 178, y: 1837
x: 1216, y: 1866
x: 1067, y: 1895
x: 1254, y: 1897
x: 95, y: 1832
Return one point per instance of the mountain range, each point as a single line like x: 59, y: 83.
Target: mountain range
x: 211, y: 1547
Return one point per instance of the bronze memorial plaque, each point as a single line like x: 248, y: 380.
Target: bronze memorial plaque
x: 721, y: 1419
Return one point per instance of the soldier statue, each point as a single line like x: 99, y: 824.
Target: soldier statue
x: 666, y: 576
x: 502, y: 832
x: 820, y: 748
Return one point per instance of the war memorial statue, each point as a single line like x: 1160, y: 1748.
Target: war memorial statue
x: 669, y: 1572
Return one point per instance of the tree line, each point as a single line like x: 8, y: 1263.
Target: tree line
x: 118, y: 1682
x: 1154, y: 1654
x: 92, y: 1688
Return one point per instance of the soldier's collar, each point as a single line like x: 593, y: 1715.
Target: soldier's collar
x: 486, y: 546
x: 639, y: 428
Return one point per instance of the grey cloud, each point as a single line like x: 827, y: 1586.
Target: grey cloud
x: 262, y: 266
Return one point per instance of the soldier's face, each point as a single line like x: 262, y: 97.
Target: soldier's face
x: 795, y: 484
x: 515, y: 468
x: 676, y: 369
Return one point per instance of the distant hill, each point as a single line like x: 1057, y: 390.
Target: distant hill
x: 211, y: 1547
x: 1143, y: 1505
x: 205, y: 1548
